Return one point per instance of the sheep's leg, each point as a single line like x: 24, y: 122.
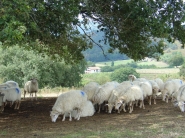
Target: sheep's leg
x: 18, y: 105
x: 149, y: 99
x: 24, y: 94
x: 2, y: 107
x: 119, y: 109
x: 167, y: 99
x: 79, y: 113
x: 143, y: 104
x: 99, y: 108
x: 36, y: 96
x: 154, y: 101
x: 70, y: 118
x: 124, y: 108
x: 130, y: 107
x: 64, y: 117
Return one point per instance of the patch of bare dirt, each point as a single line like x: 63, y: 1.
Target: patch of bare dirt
x: 33, y: 120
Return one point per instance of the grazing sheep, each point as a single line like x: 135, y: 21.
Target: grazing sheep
x: 67, y: 102
x: 90, y: 89
x: 155, y: 90
x: 132, y: 94
x: 160, y: 83
x: 170, y: 88
x: 87, y: 110
x: 31, y: 87
x: 147, y: 90
x: 180, y: 99
x: 103, y: 93
x: 116, y: 92
x: 11, y: 95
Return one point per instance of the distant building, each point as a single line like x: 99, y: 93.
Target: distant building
x: 93, y: 70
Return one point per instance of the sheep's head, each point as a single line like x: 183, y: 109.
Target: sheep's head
x: 155, y: 91
x: 164, y: 95
x: 119, y: 102
x: 34, y: 80
x: 110, y: 106
x: 181, y: 106
x: 54, y: 115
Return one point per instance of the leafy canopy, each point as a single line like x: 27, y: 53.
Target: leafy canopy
x: 128, y: 25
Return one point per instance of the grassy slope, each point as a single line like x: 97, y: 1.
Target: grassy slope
x: 154, y: 62
x: 159, y: 64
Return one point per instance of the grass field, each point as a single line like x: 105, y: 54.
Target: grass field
x: 159, y: 64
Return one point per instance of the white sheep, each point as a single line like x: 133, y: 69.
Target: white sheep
x: 90, y: 89
x: 155, y: 90
x: 147, y: 90
x: 160, y: 83
x: 131, y: 77
x: 12, y: 95
x: 116, y: 92
x: 132, y: 94
x: 9, y: 84
x: 103, y: 93
x: 87, y: 110
x: 31, y: 87
x: 67, y: 102
x: 180, y: 99
x: 170, y: 88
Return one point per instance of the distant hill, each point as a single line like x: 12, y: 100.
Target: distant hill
x: 96, y: 54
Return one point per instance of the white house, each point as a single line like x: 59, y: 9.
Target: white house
x: 93, y: 70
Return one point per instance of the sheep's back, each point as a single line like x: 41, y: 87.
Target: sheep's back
x: 103, y: 93
x: 133, y: 93
x: 11, y: 94
x: 70, y: 100
x: 90, y: 89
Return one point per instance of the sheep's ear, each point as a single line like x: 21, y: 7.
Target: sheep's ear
x: 106, y: 104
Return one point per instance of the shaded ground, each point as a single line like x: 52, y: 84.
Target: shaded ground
x: 33, y: 120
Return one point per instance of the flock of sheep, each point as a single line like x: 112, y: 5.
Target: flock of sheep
x: 10, y: 92
x: 118, y: 96
x: 111, y: 95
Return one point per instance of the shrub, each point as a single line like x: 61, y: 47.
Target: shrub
x: 122, y: 74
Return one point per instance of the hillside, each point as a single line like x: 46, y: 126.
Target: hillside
x: 96, y: 53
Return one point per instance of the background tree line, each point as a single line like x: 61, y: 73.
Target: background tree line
x: 21, y: 65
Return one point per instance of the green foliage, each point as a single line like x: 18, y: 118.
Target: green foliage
x: 182, y: 71
x: 129, y: 26
x: 174, y: 59
x: 107, y: 69
x: 122, y: 74
x: 131, y: 64
x: 51, y: 23
x: 90, y: 64
x: 21, y: 65
x: 100, y: 78
x: 52, y: 27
